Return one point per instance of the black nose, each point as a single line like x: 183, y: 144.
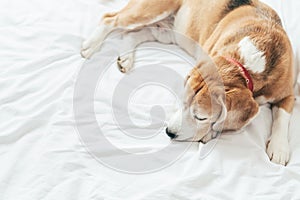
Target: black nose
x: 171, y: 135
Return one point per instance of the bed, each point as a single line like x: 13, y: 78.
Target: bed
x: 45, y: 156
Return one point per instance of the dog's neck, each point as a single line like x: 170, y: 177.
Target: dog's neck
x: 231, y: 74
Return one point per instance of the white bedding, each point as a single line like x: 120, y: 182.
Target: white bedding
x: 42, y: 157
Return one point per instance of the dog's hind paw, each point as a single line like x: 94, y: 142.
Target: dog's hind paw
x: 125, y: 62
x: 278, y: 150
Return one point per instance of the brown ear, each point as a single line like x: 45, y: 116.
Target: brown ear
x: 241, y: 108
x: 219, y: 124
x: 192, y: 84
x: 189, y: 93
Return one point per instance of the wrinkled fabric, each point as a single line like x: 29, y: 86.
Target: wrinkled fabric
x: 41, y: 155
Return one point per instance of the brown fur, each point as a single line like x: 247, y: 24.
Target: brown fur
x: 218, y: 28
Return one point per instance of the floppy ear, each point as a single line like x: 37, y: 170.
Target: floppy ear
x: 192, y: 84
x: 188, y: 91
x: 241, y: 108
x: 219, y: 124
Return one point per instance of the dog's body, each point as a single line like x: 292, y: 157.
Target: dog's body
x: 246, y: 41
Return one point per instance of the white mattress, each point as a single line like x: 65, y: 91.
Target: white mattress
x: 42, y: 153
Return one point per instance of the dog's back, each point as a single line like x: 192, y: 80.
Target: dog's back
x: 204, y: 18
x: 255, y: 26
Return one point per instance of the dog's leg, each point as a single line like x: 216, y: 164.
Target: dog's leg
x: 126, y: 62
x: 136, y: 14
x: 278, y: 147
x: 156, y: 32
x: 134, y: 39
x: 95, y: 40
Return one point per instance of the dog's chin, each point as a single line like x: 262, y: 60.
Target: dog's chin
x: 181, y: 138
x: 211, y: 135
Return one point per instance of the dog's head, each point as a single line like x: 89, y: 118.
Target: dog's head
x: 209, y: 107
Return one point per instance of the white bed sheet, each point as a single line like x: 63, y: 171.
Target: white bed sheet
x: 41, y: 154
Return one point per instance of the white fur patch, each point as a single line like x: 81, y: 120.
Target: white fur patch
x: 180, y: 22
x: 261, y: 100
x: 254, y: 58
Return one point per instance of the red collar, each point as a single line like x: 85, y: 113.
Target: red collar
x: 245, y: 72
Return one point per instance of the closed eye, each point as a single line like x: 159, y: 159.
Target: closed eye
x: 200, y: 119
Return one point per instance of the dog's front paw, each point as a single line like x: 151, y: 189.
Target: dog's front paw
x: 278, y: 150
x: 125, y: 62
x: 89, y: 48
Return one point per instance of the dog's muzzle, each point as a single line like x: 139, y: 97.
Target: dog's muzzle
x: 170, y: 134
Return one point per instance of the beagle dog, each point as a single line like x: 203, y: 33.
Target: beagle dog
x: 247, y: 48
